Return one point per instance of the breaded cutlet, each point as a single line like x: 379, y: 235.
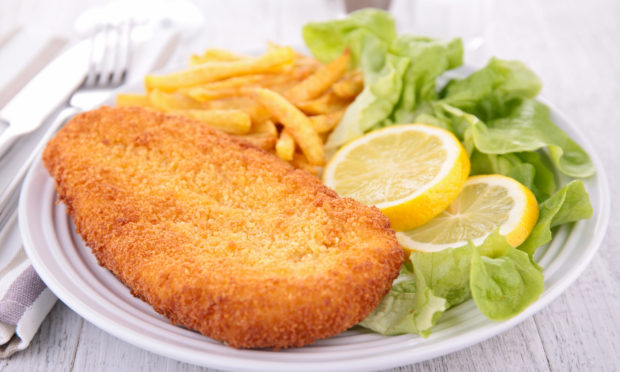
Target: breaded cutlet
x: 218, y: 235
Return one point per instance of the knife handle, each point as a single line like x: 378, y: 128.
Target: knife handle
x: 7, y: 138
x: 49, y: 90
x: 13, y: 186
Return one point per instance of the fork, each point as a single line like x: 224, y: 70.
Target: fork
x: 110, y: 57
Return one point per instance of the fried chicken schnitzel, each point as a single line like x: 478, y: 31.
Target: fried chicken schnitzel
x: 218, y: 235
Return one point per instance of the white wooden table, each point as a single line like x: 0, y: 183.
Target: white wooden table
x: 573, y: 45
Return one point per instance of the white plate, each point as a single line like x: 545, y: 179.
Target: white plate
x: 72, y: 273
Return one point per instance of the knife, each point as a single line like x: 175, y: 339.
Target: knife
x: 44, y: 94
x: 30, y: 147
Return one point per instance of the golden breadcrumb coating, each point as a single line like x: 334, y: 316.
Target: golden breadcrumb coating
x: 217, y: 234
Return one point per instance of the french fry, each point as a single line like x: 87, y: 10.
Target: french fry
x: 317, y: 106
x: 302, y: 67
x: 328, y: 102
x: 245, y: 96
x: 300, y: 72
x: 241, y: 103
x: 282, y: 82
x: 212, y: 55
x: 257, y: 112
x: 213, y: 71
x: 172, y: 101
x: 201, y: 94
x: 278, y: 82
x: 349, y: 86
x: 305, y: 61
x: 229, y: 121
x: 285, y: 147
x: 320, y: 81
x: 333, y: 118
x: 324, y: 136
x: 326, y: 122
x: 131, y: 99
x: 300, y: 161
x: 273, y: 46
x: 319, y: 123
x: 263, y: 135
x: 294, y: 121
x: 280, y: 87
x: 232, y: 86
x: 233, y: 82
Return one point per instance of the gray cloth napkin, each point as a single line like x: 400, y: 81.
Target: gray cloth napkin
x: 25, y: 301
x: 24, y: 298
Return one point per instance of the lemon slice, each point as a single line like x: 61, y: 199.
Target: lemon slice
x: 410, y: 171
x: 485, y: 203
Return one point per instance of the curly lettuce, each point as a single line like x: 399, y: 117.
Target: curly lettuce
x: 505, y: 130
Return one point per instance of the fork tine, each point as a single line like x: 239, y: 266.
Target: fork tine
x: 109, y: 55
x: 123, y: 53
x: 95, y: 56
x: 128, y: 49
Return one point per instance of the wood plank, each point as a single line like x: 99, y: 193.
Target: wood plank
x: 53, y: 348
x: 505, y: 352
x: 93, y: 354
x: 581, y: 329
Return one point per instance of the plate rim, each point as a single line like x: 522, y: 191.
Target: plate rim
x: 400, y: 358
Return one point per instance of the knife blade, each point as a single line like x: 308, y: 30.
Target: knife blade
x: 28, y: 64
x: 44, y: 94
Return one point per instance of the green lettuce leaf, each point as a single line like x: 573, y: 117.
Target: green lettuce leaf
x: 504, y: 282
x: 504, y: 129
x: 460, y: 121
x: 399, y: 73
x: 446, y: 272
x: 526, y: 167
x: 327, y: 40
x: 429, y: 59
x: 373, y: 105
x: 486, y: 92
x: 409, y: 307
x: 434, y: 119
x: 501, y: 97
x: 570, y: 203
x: 527, y: 126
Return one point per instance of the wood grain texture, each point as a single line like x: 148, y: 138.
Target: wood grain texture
x: 55, y: 345
x: 573, y: 45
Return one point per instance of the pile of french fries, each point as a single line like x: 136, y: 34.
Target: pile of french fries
x: 282, y: 101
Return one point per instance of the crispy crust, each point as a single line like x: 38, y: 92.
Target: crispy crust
x: 217, y: 234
